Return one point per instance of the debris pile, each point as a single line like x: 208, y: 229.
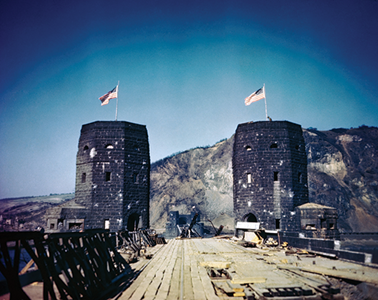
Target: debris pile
x: 133, y: 244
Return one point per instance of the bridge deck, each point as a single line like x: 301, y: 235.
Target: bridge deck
x: 182, y: 270
x: 222, y: 269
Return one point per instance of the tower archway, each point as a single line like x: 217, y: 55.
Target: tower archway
x: 250, y: 218
x: 133, y: 222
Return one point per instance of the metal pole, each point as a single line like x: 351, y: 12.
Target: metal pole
x: 116, y: 109
x: 117, y: 103
x: 266, y: 109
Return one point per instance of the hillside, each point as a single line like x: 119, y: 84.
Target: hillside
x: 342, y: 169
x: 199, y: 179
x: 28, y: 211
x: 343, y: 173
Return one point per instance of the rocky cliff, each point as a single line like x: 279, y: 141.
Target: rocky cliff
x: 343, y: 173
x: 198, y: 179
x: 342, y: 169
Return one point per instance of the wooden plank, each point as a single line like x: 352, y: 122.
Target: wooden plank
x: 203, y: 283
x: 245, y: 280
x: 223, y: 285
x: 139, y: 280
x: 235, y: 287
x: 222, y: 246
x: 174, y: 289
x: 26, y: 268
x: 207, y: 285
x: 153, y: 278
x: 164, y: 288
x: 198, y: 292
x: 156, y: 282
x: 151, y: 251
x: 188, y: 288
x: 216, y: 264
x: 199, y: 246
x: 192, y: 250
x: 204, y: 246
x: 212, y: 246
x: 152, y: 288
x: 341, y: 274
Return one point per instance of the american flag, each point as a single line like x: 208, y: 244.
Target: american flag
x: 109, y: 95
x: 256, y: 96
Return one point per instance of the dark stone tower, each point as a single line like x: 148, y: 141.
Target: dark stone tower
x: 112, y: 175
x: 269, y: 173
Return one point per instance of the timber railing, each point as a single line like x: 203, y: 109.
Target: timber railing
x: 73, y: 265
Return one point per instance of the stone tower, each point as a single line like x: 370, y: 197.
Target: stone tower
x: 112, y: 175
x: 270, y: 173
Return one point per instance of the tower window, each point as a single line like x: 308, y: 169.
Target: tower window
x: 275, y: 176
x: 248, y: 148
x: 300, y: 177
x: 274, y: 146
x: 249, y: 177
x: 278, y: 223
x: 135, y: 177
x: 109, y: 146
x: 106, y: 224
x: 107, y: 176
x: 85, y: 148
x: 83, y: 177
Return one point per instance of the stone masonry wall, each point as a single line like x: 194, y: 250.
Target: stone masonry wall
x: 269, y: 173
x: 112, y: 171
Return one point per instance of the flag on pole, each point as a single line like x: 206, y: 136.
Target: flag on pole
x: 109, y: 95
x: 256, y: 96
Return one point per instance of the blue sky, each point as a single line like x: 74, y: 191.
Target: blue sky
x: 184, y: 68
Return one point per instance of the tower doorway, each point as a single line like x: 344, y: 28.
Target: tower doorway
x: 250, y: 218
x: 133, y: 222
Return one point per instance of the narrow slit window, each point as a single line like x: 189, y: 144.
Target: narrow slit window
x: 300, y: 177
x: 249, y: 178
x: 107, y: 224
x: 275, y: 176
x: 108, y: 176
x: 83, y: 177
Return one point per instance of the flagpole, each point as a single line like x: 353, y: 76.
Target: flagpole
x: 117, y: 103
x: 266, y: 109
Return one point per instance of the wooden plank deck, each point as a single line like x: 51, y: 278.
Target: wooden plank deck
x: 221, y: 269
x: 174, y: 273
x: 178, y: 271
